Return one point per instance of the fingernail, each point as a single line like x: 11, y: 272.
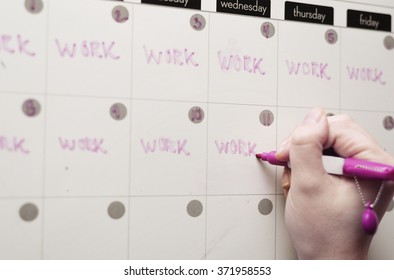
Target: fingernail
x: 286, y: 178
x: 314, y: 116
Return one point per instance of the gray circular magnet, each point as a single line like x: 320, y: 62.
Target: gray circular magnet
x: 28, y: 212
x: 196, y: 114
x: 265, y: 207
x: 331, y: 36
x: 194, y: 208
x: 31, y: 107
x: 267, y: 29
x: 266, y: 118
x: 120, y: 14
x: 118, y: 111
x: 388, y: 122
x: 34, y: 6
x: 197, y: 22
x: 116, y: 210
x: 389, y: 42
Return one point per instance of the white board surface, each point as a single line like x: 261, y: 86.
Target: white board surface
x: 129, y: 131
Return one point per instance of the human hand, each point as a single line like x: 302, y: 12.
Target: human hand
x: 323, y: 211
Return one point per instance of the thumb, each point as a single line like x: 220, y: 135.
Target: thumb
x: 307, y: 144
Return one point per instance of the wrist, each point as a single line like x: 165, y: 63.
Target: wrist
x: 335, y: 253
x: 345, y: 243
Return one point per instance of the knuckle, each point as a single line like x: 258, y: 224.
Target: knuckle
x: 302, y: 135
x: 343, y: 120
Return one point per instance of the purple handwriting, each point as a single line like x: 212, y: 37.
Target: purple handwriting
x: 33, y: 5
x: 171, y: 56
x: 236, y: 147
x: 119, y: 17
x: 14, y: 144
x: 197, y: 23
x: 12, y: 44
x: 88, y: 49
x: 239, y: 63
x: 314, y: 69
x: 85, y: 144
x: 365, y: 74
x: 163, y: 144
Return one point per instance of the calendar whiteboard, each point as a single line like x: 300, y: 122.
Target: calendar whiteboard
x: 129, y: 130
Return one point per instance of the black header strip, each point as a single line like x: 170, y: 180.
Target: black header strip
x: 258, y: 8
x: 309, y: 13
x: 190, y: 4
x: 367, y: 20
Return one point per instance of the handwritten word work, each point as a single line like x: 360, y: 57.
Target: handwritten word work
x: 164, y: 144
x: 129, y: 129
x: 236, y: 147
x: 239, y: 63
x: 93, y: 49
x: 313, y: 68
x: 175, y: 56
x: 13, y: 145
x: 366, y: 74
x: 16, y: 44
x: 86, y: 144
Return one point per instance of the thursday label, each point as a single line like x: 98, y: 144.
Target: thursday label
x: 309, y: 13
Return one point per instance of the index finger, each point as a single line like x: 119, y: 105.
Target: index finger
x: 349, y: 139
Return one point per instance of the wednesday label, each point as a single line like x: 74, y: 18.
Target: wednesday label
x: 258, y: 8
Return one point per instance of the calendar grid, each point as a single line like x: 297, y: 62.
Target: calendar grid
x: 206, y: 150
x: 130, y: 144
x: 276, y: 141
x: 54, y: 97
x: 44, y: 135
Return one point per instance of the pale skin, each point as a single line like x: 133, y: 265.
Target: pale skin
x: 323, y: 212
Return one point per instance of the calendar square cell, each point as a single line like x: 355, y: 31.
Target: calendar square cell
x: 243, y: 65
x: 170, y: 54
x: 308, y: 65
x: 167, y: 228
x: 22, y: 145
x: 21, y: 220
x: 379, y: 124
x: 86, y: 228
x: 241, y: 227
x: 23, y: 48
x: 87, y: 147
x: 367, y: 82
x: 236, y: 133
x: 86, y: 46
x: 168, y: 148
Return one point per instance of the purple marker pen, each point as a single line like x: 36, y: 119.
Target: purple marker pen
x: 343, y: 166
